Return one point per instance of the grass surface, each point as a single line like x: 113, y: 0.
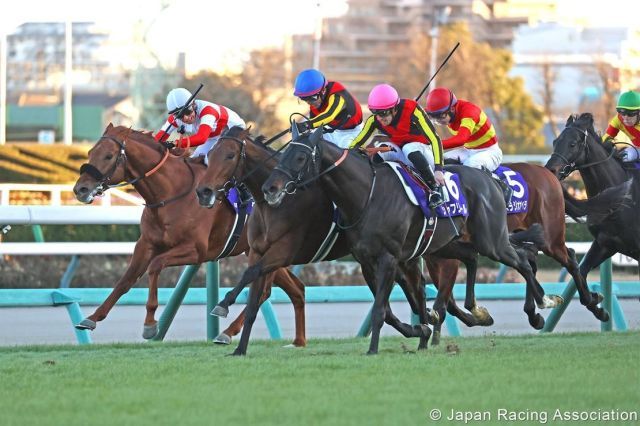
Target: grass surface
x: 331, y: 382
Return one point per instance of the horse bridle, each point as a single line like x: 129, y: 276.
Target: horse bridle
x: 296, y: 182
x: 570, y: 166
x: 103, y: 179
x: 233, y: 181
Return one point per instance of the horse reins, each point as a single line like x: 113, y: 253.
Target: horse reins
x: 103, y: 179
x: 297, y: 184
x: 570, y: 166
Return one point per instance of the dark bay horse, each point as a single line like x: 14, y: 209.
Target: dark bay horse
x: 384, y: 227
x: 579, y: 148
x: 175, y: 230
x: 546, y: 207
x: 290, y: 235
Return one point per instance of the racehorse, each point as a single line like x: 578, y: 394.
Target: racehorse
x: 546, y: 207
x: 175, y: 230
x: 295, y: 234
x: 579, y: 148
x: 385, y: 228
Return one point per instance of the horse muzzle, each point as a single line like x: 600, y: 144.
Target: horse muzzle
x: 206, y: 196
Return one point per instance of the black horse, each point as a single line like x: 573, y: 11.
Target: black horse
x: 579, y: 148
x: 384, y: 228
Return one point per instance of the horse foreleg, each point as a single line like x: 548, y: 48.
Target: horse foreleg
x: 249, y: 275
x: 142, y: 254
x: 256, y: 290
x: 385, y: 269
x: 294, y: 288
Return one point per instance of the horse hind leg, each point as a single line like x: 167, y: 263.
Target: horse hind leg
x: 294, y: 288
x: 567, y: 258
x: 421, y: 330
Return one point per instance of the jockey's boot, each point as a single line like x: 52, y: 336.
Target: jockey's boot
x: 244, y: 194
x: 422, y: 166
x: 507, y: 191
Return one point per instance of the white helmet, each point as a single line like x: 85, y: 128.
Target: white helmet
x: 177, y: 98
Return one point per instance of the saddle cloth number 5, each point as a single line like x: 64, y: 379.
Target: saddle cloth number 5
x: 518, y: 189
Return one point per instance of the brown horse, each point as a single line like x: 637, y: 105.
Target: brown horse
x: 175, y: 230
x: 294, y: 234
x: 546, y: 207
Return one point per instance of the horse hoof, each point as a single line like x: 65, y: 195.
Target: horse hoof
x: 481, y: 315
x: 435, y: 339
x: 372, y: 352
x: 149, y: 331
x: 537, y: 322
x: 86, y: 324
x: 222, y: 339
x: 220, y: 311
x: 550, y: 301
x: 604, y: 316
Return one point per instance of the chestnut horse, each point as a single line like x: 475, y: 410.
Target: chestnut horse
x: 174, y: 229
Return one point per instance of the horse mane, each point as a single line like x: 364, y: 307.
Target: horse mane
x: 145, y: 136
x: 240, y: 133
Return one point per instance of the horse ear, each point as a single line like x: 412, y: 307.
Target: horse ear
x: 570, y: 120
x: 109, y: 127
x: 316, y: 136
x: 588, y: 117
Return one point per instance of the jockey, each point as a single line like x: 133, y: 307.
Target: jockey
x: 474, y: 142
x: 627, y: 120
x: 331, y: 105
x: 412, y: 136
x: 203, y: 121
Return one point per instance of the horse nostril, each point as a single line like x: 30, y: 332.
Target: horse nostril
x: 82, y: 190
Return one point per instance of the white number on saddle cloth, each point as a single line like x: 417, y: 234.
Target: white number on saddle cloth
x: 454, y: 203
x: 518, y: 189
x: 452, y: 188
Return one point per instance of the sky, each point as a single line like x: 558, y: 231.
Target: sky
x: 217, y: 34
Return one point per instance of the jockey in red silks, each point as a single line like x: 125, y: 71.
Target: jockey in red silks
x: 627, y: 120
x: 413, y: 139
x: 203, y: 122
x: 474, y: 142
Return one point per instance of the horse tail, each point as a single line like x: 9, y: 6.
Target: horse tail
x: 534, y: 235
x: 572, y: 206
x: 600, y: 206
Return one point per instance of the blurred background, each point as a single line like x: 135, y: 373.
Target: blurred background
x: 69, y: 68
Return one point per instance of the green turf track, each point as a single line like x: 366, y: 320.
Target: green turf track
x: 331, y: 382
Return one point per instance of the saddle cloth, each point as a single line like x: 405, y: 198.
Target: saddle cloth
x: 455, y: 202
x: 520, y: 198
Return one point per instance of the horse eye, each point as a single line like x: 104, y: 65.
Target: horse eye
x: 109, y: 156
x: 230, y: 156
x: 572, y: 144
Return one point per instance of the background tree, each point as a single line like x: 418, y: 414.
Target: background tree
x: 479, y: 73
x: 547, y: 91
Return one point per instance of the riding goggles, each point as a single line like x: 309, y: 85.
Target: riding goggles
x: 382, y: 112
x: 628, y: 112
x: 184, y: 112
x: 312, y: 98
x: 438, y: 115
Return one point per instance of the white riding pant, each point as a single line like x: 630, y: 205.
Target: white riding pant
x: 402, y: 155
x: 343, y: 138
x: 203, y: 150
x: 489, y: 158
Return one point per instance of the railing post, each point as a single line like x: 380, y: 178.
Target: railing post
x: 605, y: 285
x: 271, y: 320
x: 169, y: 312
x: 213, y: 290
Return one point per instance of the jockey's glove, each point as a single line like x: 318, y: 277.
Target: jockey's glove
x: 182, y: 130
x: 169, y: 145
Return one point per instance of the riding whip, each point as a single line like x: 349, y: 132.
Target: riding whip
x: 424, y: 89
x: 177, y: 113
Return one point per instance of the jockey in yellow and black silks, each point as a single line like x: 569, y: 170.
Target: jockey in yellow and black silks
x: 330, y: 105
x: 412, y: 137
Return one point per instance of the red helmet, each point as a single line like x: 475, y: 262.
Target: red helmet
x: 440, y: 100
